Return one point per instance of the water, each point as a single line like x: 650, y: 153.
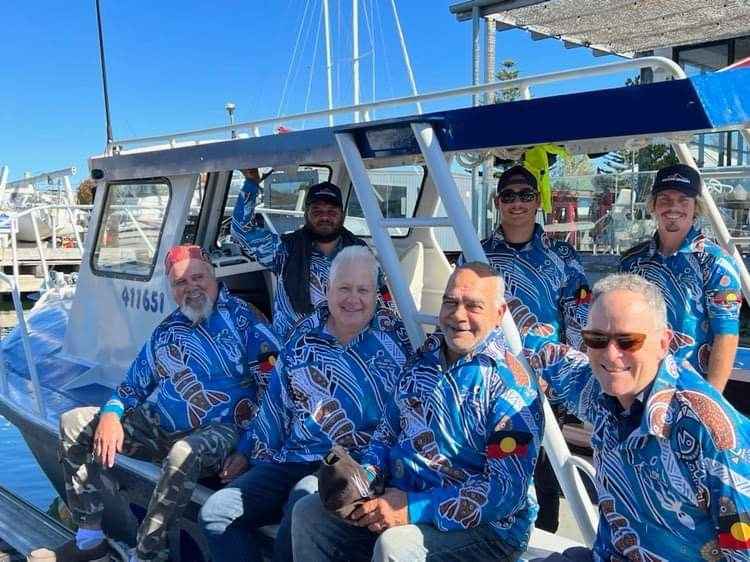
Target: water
x: 19, y: 471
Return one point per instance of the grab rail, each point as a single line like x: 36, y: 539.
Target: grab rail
x: 670, y: 67
x: 25, y: 340
x: 33, y: 213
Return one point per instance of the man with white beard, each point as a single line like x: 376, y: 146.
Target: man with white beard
x: 208, y: 364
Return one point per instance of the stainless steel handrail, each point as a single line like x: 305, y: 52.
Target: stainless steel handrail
x: 670, y: 67
x: 25, y: 340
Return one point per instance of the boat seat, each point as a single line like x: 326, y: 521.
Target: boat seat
x: 412, y: 267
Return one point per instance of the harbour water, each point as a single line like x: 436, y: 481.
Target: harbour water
x: 19, y: 471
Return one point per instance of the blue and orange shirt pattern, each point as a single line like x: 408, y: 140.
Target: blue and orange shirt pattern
x: 676, y: 488
x: 545, y: 285
x: 215, y: 371
x: 462, y: 439
x: 271, y: 252
x: 323, y: 393
x: 701, y: 287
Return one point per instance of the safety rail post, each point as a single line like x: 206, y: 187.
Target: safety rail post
x: 383, y: 243
x: 36, y: 387
x: 565, y: 468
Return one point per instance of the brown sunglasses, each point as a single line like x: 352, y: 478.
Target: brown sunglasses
x: 625, y: 341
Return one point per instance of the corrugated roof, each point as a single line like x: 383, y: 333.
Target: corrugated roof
x: 623, y: 27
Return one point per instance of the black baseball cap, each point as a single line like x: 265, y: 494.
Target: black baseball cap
x: 325, y: 192
x: 508, y: 177
x: 680, y: 177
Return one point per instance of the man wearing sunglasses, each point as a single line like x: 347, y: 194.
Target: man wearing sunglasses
x: 698, y: 278
x: 545, y: 288
x: 671, y: 454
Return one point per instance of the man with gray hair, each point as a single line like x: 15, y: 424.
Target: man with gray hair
x: 698, y: 278
x: 671, y: 454
x: 457, y: 447
x: 207, y: 364
x: 337, y: 370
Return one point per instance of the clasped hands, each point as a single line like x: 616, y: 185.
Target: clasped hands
x: 384, y: 512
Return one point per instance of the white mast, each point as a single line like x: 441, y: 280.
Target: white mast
x: 327, y: 25
x: 355, y: 55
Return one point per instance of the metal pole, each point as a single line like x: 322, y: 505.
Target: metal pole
x: 329, y: 79
x: 104, y: 76
x: 355, y: 55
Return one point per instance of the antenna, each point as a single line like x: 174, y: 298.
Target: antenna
x: 104, y: 75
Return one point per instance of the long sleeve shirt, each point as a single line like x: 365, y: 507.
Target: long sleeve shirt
x: 701, y: 287
x: 215, y: 371
x: 678, y: 486
x: 272, y: 252
x: 462, y: 439
x: 324, y: 394
x: 545, y: 285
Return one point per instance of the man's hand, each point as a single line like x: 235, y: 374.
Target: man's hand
x: 235, y: 465
x: 108, y: 439
x: 389, y: 510
x: 251, y: 174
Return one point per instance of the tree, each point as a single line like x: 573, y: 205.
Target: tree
x: 86, y: 190
x: 508, y: 72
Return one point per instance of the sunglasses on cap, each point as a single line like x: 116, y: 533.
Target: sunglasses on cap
x: 625, y: 341
x: 508, y: 195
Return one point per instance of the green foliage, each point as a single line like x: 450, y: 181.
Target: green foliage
x: 86, y: 191
x: 508, y: 72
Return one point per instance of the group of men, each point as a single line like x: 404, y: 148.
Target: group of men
x: 445, y: 440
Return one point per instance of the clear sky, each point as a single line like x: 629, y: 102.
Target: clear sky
x: 174, y: 64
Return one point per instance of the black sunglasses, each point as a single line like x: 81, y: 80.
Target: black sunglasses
x: 625, y: 341
x: 508, y: 195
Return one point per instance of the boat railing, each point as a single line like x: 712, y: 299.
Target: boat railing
x: 73, y: 212
x: 670, y: 68
x: 37, y: 398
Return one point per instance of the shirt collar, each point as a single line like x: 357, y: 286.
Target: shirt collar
x: 539, y: 239
x: 693, y: 242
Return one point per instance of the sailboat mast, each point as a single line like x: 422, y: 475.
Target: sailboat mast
x: 329, y: 80
x: 355, y: 55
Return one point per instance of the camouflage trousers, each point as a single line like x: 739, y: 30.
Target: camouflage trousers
x: 185, y: 457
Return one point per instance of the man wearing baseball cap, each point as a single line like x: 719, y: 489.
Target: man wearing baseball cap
x: 300, y: 259
x: 545, y: 288
x: 207, y: 363
x: 698, y: 278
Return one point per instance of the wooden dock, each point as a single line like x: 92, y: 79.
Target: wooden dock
x: 31, y: 274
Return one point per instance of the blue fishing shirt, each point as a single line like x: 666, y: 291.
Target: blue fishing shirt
x: 701, y: 287
x: 678, y: 487
x: 545, y: 286
x: 324, y: 394
x: 462, y: 439
x: 215, y: 371
x: 272, y: 252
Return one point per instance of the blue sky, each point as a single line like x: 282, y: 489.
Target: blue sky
x: 172, y: 66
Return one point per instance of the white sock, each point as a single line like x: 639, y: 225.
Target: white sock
x: 88, y: 538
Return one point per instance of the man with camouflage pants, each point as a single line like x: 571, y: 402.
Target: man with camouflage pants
x: 208, y: 362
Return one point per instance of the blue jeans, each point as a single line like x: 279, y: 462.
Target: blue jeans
x: 318, y: 535
x: 262, y: 496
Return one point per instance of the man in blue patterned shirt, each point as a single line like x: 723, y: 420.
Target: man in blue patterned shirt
x: 457, y: 446
x: 672, y: 456
x: 337, y: 370
x: 698, y: 278
x: 300, y: 259
x: 546, y: 291
x: 206, y: 364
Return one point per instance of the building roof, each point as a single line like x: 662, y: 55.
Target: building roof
x: 623, y: 27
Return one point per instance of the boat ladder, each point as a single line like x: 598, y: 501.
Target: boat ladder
x: 565, y: 464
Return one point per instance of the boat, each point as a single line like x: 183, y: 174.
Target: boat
x: 76, y: 345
